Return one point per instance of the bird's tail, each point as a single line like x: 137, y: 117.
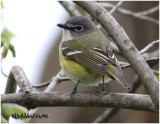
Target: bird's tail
x: 120, y: 80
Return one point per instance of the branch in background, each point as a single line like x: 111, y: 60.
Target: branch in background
x: 109, y: 113
x: 144, y: 50
x: 113, y: 10
x: 149, y: 11
x: 59, y: 80
x: 70, y: 8
x: 133, y: 14
x: 115, y: 7
x: 17, y: 77
x: 43, y: 99
x: 2, y: 72
x: 128, y: 50
x: 106, y: 115
x: 149, y: 61
x: 115, y: 48
x: 148, y: 47
x: 54, y: 81
x: 155, y: 72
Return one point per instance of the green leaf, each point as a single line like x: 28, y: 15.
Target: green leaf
x: 11, y: 47
x: 157, y: 76
x: 3, y: 120
x: 5, y: 51
x: 2, y: 43
x: 11, y: 109
x: 6, y: 37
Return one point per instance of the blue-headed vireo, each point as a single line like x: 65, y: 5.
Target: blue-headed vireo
x: 85, y: 54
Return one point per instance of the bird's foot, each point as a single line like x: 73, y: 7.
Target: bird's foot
x: 101, y: 91
x: 73, y: 92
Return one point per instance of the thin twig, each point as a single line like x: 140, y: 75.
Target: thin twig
x: 60, y: 79
x: 54, y: 81
x: 149, y: 11
x: 113, y: 10
x: 42, y: 99
x: 150, y: 60
x: 130, y: 13
x: 144, y: 50
x: 106, y: 115
x: 148, y: 47
x: 128, y: 50
x: 155, y: 72
x: 70, y: 8
x: 115, y: 7
x: 2, y: 72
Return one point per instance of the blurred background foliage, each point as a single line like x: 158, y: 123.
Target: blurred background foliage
x: 6, y: 37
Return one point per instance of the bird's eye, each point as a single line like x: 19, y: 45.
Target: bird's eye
x: 78, y: 28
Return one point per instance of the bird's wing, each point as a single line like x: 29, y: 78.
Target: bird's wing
x: 95, y: 59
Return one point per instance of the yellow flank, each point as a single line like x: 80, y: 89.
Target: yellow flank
x: 78, y: 72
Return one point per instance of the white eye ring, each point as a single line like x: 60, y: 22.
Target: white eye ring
x: 78, y: 28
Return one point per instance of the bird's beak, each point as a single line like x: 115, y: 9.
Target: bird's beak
x: 64, y: 26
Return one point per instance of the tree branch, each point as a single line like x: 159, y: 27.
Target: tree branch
x: 129, y: 51
x: 133, y: 14
x: 149, y: 61
x: 17, y: 77
x: 41, y: 99
x: 54, y: 81
x: 115, y: 7
x: 69, y: 8
x: 149, y: 11
x: 59, y: 80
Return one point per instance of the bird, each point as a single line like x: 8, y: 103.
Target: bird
x: 86, y: 56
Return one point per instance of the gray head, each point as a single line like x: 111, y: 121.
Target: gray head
x: 79, y: 26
